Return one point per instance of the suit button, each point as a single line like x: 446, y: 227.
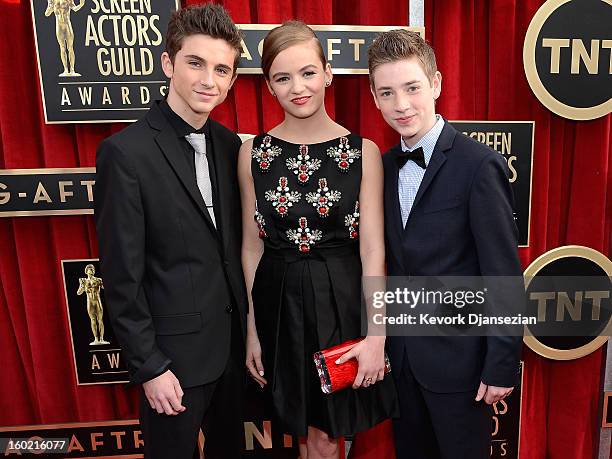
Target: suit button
x: 228, y: 308
x: 226, y: 263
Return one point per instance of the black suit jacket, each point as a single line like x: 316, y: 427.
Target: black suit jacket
x: 172, y: 281
x: 461, y: 224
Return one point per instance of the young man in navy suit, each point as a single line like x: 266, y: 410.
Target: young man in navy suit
x: 448, y: 212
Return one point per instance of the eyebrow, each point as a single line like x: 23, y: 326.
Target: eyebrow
x: 408, y: 83
x: 300, y: 70
x: 193, y: 56
x: 199, y: 59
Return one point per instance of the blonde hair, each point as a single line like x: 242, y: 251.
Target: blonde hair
x: 284, y: 36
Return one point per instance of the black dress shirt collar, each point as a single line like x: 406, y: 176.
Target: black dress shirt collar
x: 181, y: 126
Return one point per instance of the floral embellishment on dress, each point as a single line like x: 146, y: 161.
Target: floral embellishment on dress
x: 282, y: 199
x: 324, y: 198
x: 303, y: 166
x: 352, y: 222
x: 304, y: 237
x: 261, y: 223
x: 266, y: 153
x: 343, y: 154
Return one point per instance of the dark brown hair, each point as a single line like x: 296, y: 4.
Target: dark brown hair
x: 284, y: 36
x: 207, y: 19
x: 399, y: 44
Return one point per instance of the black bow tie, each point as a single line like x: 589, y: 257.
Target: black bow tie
x: 415, y: 155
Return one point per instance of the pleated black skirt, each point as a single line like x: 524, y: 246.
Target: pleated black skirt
x: 302, y: 304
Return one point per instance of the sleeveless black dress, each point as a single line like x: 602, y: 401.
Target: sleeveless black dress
x: 307, y: 292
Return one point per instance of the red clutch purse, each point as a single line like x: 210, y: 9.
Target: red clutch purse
x: 335, y: 377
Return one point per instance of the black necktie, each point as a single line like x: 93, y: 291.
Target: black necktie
x: 415, y: 155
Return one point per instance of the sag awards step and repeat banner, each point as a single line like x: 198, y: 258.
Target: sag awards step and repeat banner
x: 99, y: 62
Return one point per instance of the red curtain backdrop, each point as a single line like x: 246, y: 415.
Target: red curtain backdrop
x: 479, y: 49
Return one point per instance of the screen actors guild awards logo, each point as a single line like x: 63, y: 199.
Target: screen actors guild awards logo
x: 64, y: 33
x: 98, y: 358
x: 91, y: 286
x: 99, y: 60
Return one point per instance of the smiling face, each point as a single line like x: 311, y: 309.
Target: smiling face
x: 200, y: 77
x: 297, y: 77
x: 406, y: 97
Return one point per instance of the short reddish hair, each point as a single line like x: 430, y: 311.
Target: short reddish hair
x: 400, y: 44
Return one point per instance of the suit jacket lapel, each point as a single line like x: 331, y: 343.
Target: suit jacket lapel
x: 392, y: 195
x: 438, y: 158
x: 171, y: 148
x: 435, y: 163
x: 223, y: 175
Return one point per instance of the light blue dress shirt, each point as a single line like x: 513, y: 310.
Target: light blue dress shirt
x: 411, y: 175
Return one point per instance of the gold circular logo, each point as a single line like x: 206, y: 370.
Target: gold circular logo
x: 565, y: 263
x: 567, y: 56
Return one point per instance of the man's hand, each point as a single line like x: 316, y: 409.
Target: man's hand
x: 492, y: 394
x: 164, y: 394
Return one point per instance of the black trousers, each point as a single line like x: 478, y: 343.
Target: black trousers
x: 439, y: 425
x: 216, y: 408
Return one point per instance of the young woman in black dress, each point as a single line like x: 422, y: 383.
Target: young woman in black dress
x: 312, y: 200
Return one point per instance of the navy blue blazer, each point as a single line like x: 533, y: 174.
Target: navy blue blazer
x: 461, y: 224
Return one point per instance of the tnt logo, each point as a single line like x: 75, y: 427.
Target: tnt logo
x: 580, y: 57
x: 566, y: 308
x: 567, y: 56
x: 569, y: 291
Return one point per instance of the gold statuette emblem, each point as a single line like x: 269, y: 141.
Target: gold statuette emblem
x: 64, y: 32
x: 91, y: 285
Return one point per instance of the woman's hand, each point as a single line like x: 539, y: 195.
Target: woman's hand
x: 253, y: 357
x: 370, y: 354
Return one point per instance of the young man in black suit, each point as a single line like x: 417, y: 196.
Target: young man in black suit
x: 168, y: 215
x: 448, y: 212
